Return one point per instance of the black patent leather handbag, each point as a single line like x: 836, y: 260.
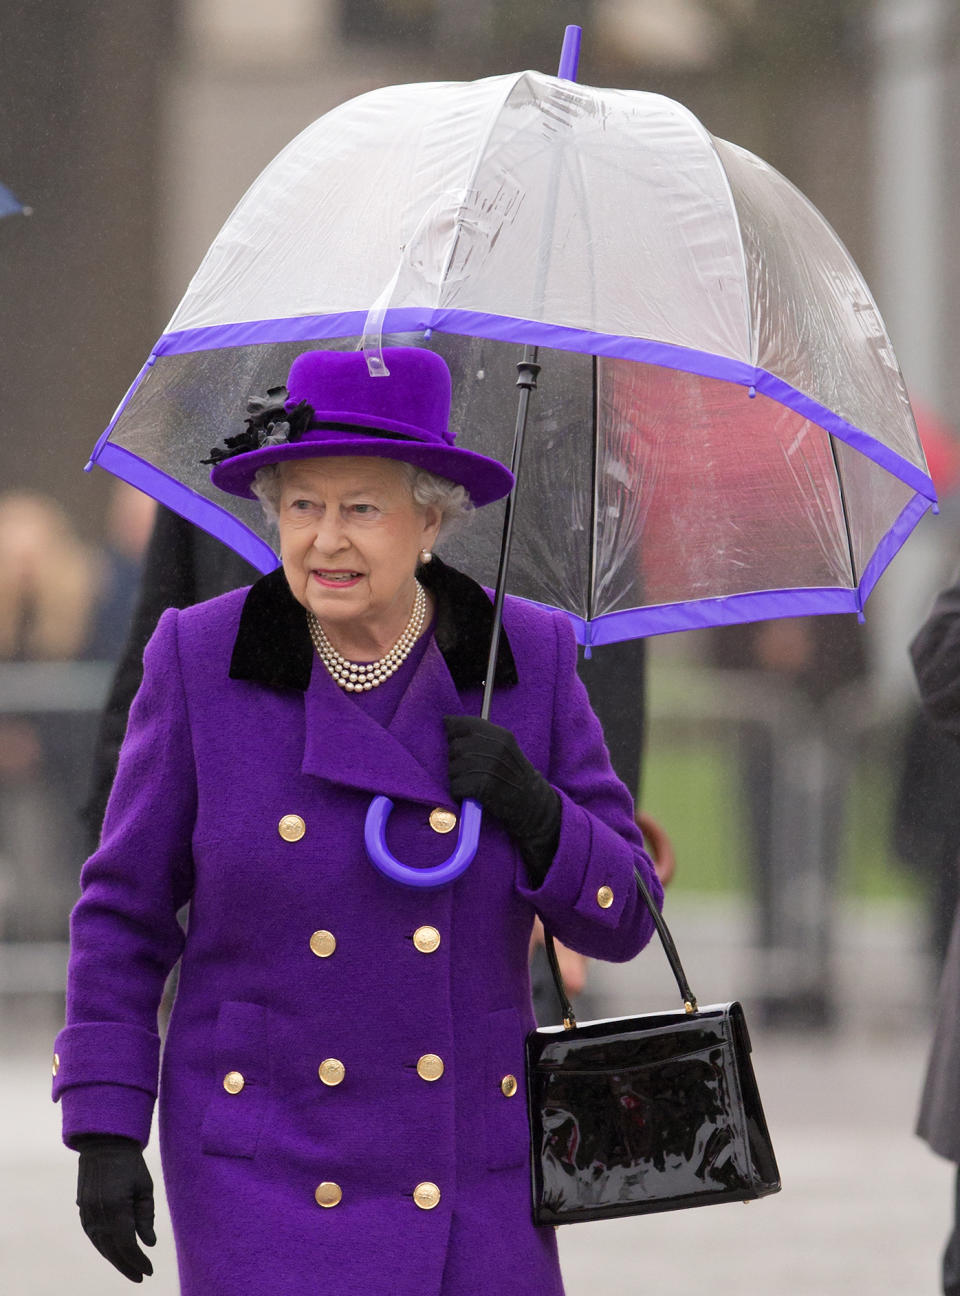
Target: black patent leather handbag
x: 640, y: 1114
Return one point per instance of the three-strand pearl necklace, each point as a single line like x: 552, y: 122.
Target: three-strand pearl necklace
x: 359, y: 677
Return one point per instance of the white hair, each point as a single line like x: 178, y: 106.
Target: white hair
x: 451, y: 500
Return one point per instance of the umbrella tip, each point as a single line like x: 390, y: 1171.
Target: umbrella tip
x: 570, y: 53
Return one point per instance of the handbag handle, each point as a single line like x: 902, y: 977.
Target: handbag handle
x: 666, y: 940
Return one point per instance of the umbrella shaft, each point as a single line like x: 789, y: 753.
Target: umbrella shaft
x: 527, y: 369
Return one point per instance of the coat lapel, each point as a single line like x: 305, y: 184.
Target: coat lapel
x: 343, y: 744
x: 346, y: 746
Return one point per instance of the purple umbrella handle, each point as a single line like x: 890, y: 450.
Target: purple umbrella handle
x: 374, y: 836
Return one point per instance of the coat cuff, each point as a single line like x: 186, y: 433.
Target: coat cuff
x: 589, y: 897
x: 106, y: 1109
x: 579, y: 871
x: 109, y: 1053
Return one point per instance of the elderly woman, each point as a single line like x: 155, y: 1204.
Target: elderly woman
x: 341, y: 1097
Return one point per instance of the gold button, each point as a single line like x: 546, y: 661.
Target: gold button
x: 430, y: 1067
x: 508, y: 1086
x: 442, y: 821
x: 233, y: 1082
x: 331, y: 1071
x: 426, y: 1195
x: 291, y: 828
x: 323, y: 943
x: 328, y: 1194
x: 56, y: 1063
x: 426, y: 939
x: 604, y: 897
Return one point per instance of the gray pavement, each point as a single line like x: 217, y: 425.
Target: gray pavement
x: 865, y: 1207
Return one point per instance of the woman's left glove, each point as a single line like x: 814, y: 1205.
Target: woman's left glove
x: 486, y: 763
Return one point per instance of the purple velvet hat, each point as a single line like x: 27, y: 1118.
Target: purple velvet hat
x: 334, y: 407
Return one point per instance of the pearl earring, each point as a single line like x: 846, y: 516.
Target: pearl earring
x: 426, y: 555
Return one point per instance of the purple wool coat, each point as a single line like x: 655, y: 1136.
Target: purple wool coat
x: 299, y: 952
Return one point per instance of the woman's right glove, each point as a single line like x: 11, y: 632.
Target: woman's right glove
x: 486, y: 763
x: 115, y: 1196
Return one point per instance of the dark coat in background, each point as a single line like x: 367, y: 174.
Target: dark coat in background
x: 182, y: 566
x: 936, y: 661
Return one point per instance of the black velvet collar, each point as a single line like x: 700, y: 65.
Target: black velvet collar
x: 273, y: 645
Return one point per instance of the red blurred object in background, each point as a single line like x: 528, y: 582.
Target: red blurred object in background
x: 941, y: 446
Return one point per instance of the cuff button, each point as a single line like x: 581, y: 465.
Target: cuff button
x: 426, y: 1195
x: 604, y: 897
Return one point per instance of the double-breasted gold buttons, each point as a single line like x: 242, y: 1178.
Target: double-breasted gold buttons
x: 508, y: 1086
x: 323, y: 943
x: 605, y: 897
x: 233, y: 1082
x: 291, y: 828
x: 426, y: 1195
x: 442, y: 821
x: 328, y: 1194
x: 426, y: 939
x: 331, y: 1071
x: 56, y: 1063
x: 430, y: 1066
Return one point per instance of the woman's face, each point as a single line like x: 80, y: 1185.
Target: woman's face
x: 350, y: 536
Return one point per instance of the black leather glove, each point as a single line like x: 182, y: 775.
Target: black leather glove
x: 115, y: 1196
x: 486, y: 763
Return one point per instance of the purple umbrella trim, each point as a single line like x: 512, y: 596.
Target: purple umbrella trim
x: 635, y: 623
x: 504, y: 328
x: 195, y: 508
x: 891, y: 544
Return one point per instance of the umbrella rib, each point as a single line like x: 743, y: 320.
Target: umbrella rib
x: 846, y: 518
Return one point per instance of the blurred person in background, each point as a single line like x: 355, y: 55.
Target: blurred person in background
x: 129, y: 523
x: 48, y: 585
x: 936, y: 661
x: 61, y: 600
x: 926, y: 823
x: 48, y: 582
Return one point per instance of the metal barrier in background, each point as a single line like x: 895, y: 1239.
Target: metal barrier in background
x: 795, y: 765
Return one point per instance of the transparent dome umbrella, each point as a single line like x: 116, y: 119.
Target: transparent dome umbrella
x: 720, y: 433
